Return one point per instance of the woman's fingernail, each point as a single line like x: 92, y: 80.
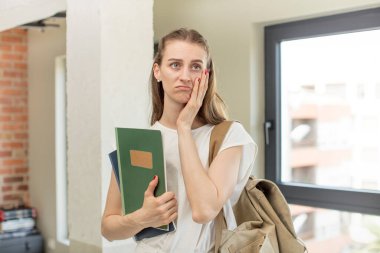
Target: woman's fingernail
x: 154, y: 177
x: 199, y: 80
x: 206, y: 71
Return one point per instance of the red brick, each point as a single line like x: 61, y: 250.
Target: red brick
x: 13, y: 109
x: 9, y: 38
x: 9, y: 179
x: 6, y: 171
x: 5, y: 153
x: 5, y: 118
x: 13, y: 145
x: 4, y: 65
x: 21, y: 135
x: 16, y: 57
x: 20, y: 48
x: 5, y: 48
x: 13, y: 115
x: 7, y: 188
x: 12, y: 92
x: 5, y: 101
x: 22, y: 66
x: 14, y: 74
x: 23, y: 170
x: 13, y: 179
x: 5, y: 83
x: 13, y: 127
x: 21, y: 118
x: 11, y: 162
x: 7, y: 32
x: 22, y: 187
x: 20, y: 153
x: 5, y: 136
x: 20, y: 84
x: 8, y: 197
x: 6, y: 127
x: 22, y: 101
x: 20, y: 31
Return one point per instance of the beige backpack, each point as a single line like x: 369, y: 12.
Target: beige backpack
x: 262, y: 215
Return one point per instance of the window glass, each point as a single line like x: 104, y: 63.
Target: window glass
x: 332, y: 231
x: 330, y: 104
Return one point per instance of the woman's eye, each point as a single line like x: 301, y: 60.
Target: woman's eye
x: 197, y: 67
x: 174, y: 65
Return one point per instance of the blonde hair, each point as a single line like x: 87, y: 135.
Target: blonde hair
x: 213, y: 109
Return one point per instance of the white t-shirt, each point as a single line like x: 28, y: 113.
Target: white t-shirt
x: 189, y: 235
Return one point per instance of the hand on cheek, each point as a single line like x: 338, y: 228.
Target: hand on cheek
x: 190, y: 111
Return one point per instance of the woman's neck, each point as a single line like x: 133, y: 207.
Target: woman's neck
x: 169, y: 120
x: 170, y: 115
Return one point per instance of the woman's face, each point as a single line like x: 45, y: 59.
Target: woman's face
x: 182, y: 63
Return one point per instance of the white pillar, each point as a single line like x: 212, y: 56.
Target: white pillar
x: 109, y: 56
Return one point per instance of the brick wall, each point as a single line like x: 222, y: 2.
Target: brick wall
x: 13, y: 116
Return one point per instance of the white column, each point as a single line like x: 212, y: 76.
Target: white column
x: 109, y: 56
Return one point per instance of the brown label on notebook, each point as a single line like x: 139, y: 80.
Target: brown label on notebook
x: 141, y: 159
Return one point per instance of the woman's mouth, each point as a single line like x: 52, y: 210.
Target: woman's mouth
x: 183, y: 88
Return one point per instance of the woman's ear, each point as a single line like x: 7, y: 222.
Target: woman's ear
x: 156, y: 71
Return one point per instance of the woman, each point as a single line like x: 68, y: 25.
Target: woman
x: 185, y: 109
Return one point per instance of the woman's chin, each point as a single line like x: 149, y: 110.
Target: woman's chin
x: 183, y: 100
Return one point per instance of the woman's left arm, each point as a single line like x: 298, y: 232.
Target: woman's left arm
x: 207, y: 191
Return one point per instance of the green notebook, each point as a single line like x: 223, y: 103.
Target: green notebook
x: 140, y: 157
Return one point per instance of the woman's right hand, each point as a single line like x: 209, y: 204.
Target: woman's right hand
x: 158, y: 211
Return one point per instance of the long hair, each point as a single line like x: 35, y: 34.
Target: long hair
x: 213, y: 109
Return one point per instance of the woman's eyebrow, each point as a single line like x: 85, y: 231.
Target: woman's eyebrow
x: 180, y: 60
x: 174, y: 59
x: 197, y: 60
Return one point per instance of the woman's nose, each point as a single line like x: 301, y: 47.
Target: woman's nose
x: 185, y: 75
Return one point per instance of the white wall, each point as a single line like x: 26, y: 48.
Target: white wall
x: 110, y: 47
x: 234, y: 30
x: 44, y: 47
x: 109, y: 54
x: 17, y: 12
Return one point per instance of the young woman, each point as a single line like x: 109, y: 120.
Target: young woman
x: 186, y: 107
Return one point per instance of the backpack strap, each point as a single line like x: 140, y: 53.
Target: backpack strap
x: 216, y: 139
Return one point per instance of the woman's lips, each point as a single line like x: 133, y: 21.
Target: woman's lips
x: 184, y: 88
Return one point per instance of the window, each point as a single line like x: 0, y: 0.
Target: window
x: 61, y: 150
x: 322, y: 116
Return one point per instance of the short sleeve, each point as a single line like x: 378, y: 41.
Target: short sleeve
x: 238, y: 136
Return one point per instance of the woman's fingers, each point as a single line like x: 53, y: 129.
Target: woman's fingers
x: 173, y: 214
x: 173, y: 209
x: 160, y: 210
x: 167, y: 196
x: 169, y: 205
x: 205, y: 83
x: 168, y: 211
x: 199, y: 88
x: 202, y: 87
x: 194, y: 94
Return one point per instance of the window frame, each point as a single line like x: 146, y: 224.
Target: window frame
x: 352, y: 200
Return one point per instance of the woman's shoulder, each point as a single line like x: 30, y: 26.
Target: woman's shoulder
x: 155, y: 125
x: 238, y: 133
x: 237, y: 127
